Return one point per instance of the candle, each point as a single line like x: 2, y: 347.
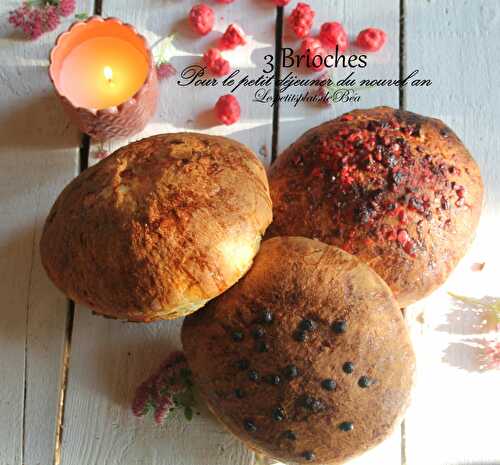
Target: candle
x: 103, y: 71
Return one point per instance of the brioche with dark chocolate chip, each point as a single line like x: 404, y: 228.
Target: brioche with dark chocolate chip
x: 307, y: 358
x: 159, y: 227
x: 398, y: 190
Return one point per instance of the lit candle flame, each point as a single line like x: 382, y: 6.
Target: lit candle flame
x: 108, y: 74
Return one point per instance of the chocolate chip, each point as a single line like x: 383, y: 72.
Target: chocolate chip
x: 291, y: 371
x: 258, y: 332
x: 290, y: 435
x: 250, y: 425
x: 346, y: 426
x: 348, y: 367
x: 239, y: 393
x: 339, y: 326
x: 307, y: 325
x: 266, y: 317
x: 308, y: 455
x: 365, y: 382
x: 300, y: 336
x: 243, y: 364
x: 253, y: 375
x: 273, y: 379
x: 328, y: 384
x: 237, y: 336
x: 262, y: 347
x: 278, y: 414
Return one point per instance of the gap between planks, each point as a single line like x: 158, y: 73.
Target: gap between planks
x: 84, y: 155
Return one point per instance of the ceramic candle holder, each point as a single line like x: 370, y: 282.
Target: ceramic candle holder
x: 137, y: 106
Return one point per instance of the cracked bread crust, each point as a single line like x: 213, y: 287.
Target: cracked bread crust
x: 354, y: 366
x: 159, y: 227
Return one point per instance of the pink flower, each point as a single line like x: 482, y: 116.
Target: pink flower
x: 490, y: 359
x: 51, y: 18
x: 165, y: 70
x: 66, y: 7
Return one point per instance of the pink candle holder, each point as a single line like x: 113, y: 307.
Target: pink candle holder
x: 84, y: 84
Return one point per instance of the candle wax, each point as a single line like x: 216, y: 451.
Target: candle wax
x: 102, y: 72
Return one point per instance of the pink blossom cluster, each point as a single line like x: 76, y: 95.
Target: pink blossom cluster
x: 157, y: 392
x: 34, y: 19
x: 490, y: 357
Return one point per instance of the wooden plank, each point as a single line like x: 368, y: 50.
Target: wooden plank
x: 454, y: 416
x: 355, y: 16
x: 110, y: 359
x: 38, y: 156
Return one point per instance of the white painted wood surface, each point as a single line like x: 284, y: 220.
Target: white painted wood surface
x: 454, y: 417
x: 38, y: 156
x: 109, y: 359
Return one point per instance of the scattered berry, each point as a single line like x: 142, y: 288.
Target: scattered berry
x: 339, y: 327
x: 301, y: 20
x: 258, y: 332
x: 233, y: 37
x: 237, y: 336
x: 267, y: 317
x: 348, y: 367
x: 346, y: 426
x: 291, y: 371
x: 307, y: 325
x: 333, y: 35
x: 273, y: 379
x: 249, y: 425
x: 278, y: 414
x: 300, y: 336
x: 309, y: 455
x: 227, y: 109
x: 328, y: 384
x: 202, y: 19
x: 165, y: 70
x: 371, y: 39
x: 314, y: 52
x: 262, y: 347
x: 253, y: 375
x: 216, y: 64
x: 365, y: 382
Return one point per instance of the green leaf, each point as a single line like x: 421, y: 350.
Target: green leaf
x: 81, y: 16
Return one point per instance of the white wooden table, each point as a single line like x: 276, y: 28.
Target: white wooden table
x: 67, y: 378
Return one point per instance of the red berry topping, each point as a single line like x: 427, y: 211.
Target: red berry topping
x: 233, y: 37
x: 202, y: 19
x: 216, y: 64
x: 371, y: 39
x: 332, y: 35
x: 227, y: 109
x: 314, y: 52
x: 301, y: 19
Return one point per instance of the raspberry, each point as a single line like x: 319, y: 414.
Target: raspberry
x: 301, y: 19
x: 165, y: 70
x: 371, y: 39
x: 227, y: 109
x: 202, y: 18
x: 313, y: 49
x: 216, y: 64
x: 281, y: 2
x: 233, y: 37
x: 333, y: 35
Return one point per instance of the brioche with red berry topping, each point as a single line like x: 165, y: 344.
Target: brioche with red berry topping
x: 159, y: 227
x: 307, y: 358
x: 398, y: 190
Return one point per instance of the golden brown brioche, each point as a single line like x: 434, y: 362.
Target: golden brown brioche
x: 398, y: 190
x: 159, y: 227
x: 307, y: 358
